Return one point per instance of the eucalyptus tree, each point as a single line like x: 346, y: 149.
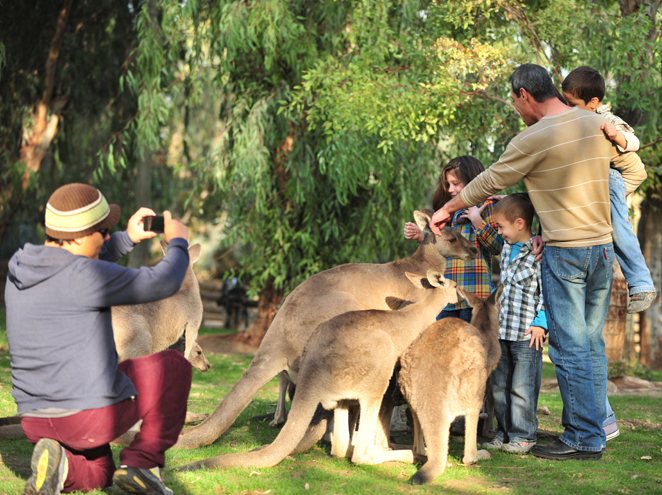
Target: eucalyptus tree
x: 60, y: 101
x: 316, y: 127
x: 310, y: 129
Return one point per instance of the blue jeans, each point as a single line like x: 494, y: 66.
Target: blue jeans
x: 626, y: 245
x: 576, y: 285
x: 515, y: 385
x: 463, y: 314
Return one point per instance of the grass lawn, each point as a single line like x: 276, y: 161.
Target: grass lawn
x: 631, y: 464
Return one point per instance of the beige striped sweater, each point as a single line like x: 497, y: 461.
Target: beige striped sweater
x: 564, y: 161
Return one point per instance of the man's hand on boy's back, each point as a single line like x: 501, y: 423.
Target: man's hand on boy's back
x: 537, y: 247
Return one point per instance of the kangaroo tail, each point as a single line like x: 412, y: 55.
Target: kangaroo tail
x: 315, y: 431
x: 260, y: 371
x: 288, y: 438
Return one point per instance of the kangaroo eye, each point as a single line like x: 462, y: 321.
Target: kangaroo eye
x: 452, y: 239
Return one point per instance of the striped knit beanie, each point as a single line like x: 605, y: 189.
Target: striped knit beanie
x: 77, y: 210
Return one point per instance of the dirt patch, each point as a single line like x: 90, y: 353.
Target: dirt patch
x: 224, y: 344
x: 622, y: 385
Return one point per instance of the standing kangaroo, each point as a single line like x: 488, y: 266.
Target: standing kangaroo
x: 142, y: 329
x: 443, y: 375
x: 349, y: 287
x: 351, y: 357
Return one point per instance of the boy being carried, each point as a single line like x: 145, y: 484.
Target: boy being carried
x: 584, y: 87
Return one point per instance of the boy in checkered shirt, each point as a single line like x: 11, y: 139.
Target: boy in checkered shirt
x: 515, y: 383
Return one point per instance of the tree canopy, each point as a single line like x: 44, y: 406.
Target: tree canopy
x: 310, y: 129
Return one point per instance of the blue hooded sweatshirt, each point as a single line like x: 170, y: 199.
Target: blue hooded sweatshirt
x: 59, y: 324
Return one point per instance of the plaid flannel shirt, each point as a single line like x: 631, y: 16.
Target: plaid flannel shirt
x: 521, y: 299
x: 475, y: 275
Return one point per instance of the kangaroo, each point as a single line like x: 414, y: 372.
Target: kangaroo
x: 443, y: 375
x: 142, y: 329
x: 349, y: 287
x: 351, y: 357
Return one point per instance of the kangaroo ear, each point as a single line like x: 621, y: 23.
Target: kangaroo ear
x: 437, y: 279
x: 496, y: 295
x: 416, y: 279
x: 396, y: 303
x: 194, y: 252
x: 422, y: 219
x: 472, y: 299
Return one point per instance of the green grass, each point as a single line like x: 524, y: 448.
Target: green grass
x: 622, y: 469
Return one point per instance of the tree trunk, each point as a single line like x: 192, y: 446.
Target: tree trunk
x: 650, y: 238
x: 614, y: 330
x: 143, y: 190
x: 45, y: 126
x: 267, y: 307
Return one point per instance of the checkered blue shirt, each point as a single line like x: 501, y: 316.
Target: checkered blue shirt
x: 521, y: 299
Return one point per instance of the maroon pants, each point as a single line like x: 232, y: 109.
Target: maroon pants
x: 163, y: 381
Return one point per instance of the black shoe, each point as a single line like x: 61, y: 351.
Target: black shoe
x: 559, y: 451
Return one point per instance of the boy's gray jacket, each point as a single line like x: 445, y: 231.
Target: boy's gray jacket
x: 59, y: 326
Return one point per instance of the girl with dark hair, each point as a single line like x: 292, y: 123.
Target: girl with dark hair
x: 475, y: 224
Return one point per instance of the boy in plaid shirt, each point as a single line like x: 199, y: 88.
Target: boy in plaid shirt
x: 515, y: 383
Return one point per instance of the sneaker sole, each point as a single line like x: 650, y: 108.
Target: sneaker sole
x: 45, y: 464
x: 519, y: 452
x: 136, y: 484
x: 612, y: 435
x: 571, y: 456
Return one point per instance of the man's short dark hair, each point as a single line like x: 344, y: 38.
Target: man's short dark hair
x: 516, y: 206
x: 584, y: 83
x: 535, y: 80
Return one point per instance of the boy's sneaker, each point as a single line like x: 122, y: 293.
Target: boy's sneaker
x: 140, y: 480
x: 518, y: 447
x: 640, y: 301
x: 611, y: 431
x: 495, y: 444
x: 49, y: 468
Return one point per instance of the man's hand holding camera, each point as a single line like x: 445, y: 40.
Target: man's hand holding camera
x: 138, y: 231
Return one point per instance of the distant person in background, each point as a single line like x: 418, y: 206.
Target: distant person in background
x: 564, y: 158
x: 73, y: 396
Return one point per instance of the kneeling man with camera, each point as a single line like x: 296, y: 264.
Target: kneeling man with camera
x: 72, y: 394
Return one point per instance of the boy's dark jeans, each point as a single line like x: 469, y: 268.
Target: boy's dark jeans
x: 515, y: 385
x: 163, y: 381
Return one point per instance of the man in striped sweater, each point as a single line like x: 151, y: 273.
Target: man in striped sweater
x: 563, y: 158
